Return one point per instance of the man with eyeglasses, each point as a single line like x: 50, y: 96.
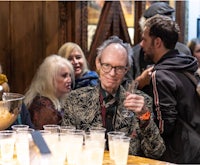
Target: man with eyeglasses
x: 103, y: 104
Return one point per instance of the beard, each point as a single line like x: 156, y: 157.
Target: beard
x: 147, y: 58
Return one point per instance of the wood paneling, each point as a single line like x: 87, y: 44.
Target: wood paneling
x: 139, y: 9
x: 30, y: 32
x: 4, y: 37
x: 181, y: 19
x: 26, y: 42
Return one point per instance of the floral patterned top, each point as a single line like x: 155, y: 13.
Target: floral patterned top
x: 82, y: 109
x: 42, y: 111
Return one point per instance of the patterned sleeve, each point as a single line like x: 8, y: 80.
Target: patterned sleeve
x: 67, y: 119
x: 81, y: 108
x: 152, y: 143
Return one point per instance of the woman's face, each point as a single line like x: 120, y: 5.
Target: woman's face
x: 76, y: 59
x: 63, y: 81
x: 196, y: 52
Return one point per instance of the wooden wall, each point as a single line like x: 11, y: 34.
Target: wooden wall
x: 28, y: 33
x: 32, y: 30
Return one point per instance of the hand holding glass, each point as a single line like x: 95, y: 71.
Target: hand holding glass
x: 130, y: 88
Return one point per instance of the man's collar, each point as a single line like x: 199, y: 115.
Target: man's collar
x: 106, y: 94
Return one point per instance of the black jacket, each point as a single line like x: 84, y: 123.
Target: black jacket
x: 140, y: 64
x: 175, y: 98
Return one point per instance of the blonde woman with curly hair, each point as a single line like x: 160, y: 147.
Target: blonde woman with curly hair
x: 53, y: 80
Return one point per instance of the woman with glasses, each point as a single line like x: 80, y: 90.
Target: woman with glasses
x: 83, y: 76
x: 102, y: 105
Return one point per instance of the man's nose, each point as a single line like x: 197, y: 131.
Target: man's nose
x: 113, y: 71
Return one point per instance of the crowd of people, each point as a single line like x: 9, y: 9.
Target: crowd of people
x: 166, y: 106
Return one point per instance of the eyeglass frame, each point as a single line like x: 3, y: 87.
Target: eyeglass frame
x: 116, y: 68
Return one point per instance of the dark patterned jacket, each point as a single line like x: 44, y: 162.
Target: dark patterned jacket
x: 82, y: 109
x: 42, y: 111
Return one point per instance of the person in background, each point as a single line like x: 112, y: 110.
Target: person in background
x: 83, y: 76
x: 177, y: 105
x: 194, y: 45
x: 24, y: 116
x: 102, y: 105
x: 144, y: 65
x: 53, y: 80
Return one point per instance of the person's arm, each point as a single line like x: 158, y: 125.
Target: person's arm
x: 151, y: 141
x: 152, y: 144
x: 165, y: 102
x: 144, y: 78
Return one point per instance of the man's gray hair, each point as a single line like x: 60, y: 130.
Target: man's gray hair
x: 116, y: 39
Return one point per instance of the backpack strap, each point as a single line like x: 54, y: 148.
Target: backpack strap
x: 194, y: 81
x: 191, y: 77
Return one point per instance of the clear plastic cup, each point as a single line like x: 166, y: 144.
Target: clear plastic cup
x: 74, y: 145
x: 97, y: 133
x: 66, y: 128
x: 53, y: 128
x: 19, y: 127
x: 121, y: 148
x: 110, y: 142
x: 7, y: 142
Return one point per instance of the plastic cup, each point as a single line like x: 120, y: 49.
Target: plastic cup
x: 22, y: 147
x: 53, y: 128
x: 20, y: 127
x: 7, y: 142
x: 28, y: 132
x: 121, y: 148
x: 74, y: 145
x: 111, y: 144
x: 97, y: 133
x: 66, y: 128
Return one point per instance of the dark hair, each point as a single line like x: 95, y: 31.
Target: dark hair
x: 161, y: 8
x: 165, y: 28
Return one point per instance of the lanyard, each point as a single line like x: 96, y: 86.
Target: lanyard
x: 103, y: 109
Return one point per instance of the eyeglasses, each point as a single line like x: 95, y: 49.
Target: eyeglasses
x: 118, y: 69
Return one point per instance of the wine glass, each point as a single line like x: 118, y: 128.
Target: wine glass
x: 130, y: 88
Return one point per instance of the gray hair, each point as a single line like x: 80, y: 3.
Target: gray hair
x: 116, y: 39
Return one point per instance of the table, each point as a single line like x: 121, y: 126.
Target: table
x: 132, y: 160
x: 135, y: 160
